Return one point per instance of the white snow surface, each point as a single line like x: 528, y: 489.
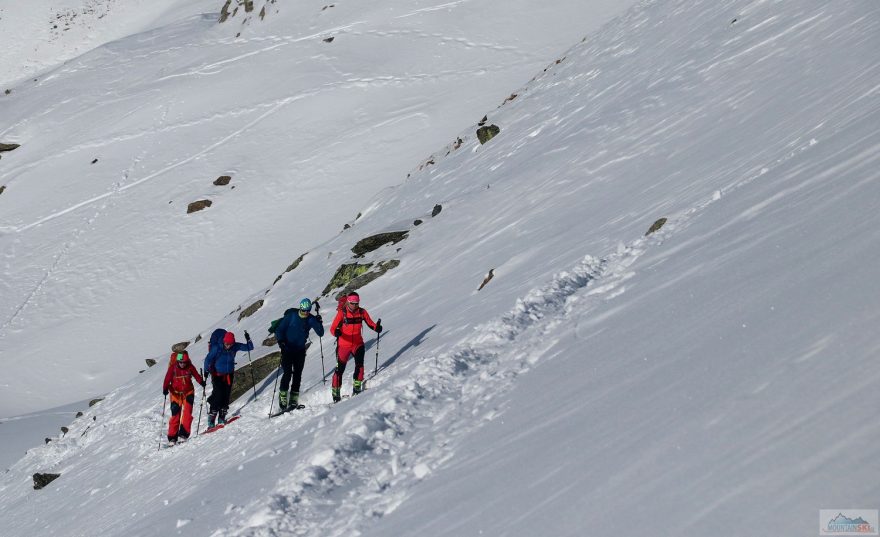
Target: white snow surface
x: 101, y: 265
x: 712, y: 378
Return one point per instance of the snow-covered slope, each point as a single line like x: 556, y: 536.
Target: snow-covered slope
x: 102, y: 266
x: 712, y: 378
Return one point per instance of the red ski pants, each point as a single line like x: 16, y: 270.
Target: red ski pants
x: 179, y: 425
x: 343, y: 353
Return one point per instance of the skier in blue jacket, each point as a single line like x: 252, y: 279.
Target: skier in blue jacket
x: 220, y: 363
x: 292, y: 333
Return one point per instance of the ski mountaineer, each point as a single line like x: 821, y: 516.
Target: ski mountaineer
x: 292, y: 333
x: 349, y: 342
x: 220, y: 363
x: 178, y: 382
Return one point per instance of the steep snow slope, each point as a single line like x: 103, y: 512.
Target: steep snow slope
x: 102, y: 267
x: 712, y: 378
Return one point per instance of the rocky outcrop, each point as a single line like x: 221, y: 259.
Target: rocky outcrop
x: 94, y: 402
x: 367, y: 277
x: 180, y: 347
x: 2, y: 188
x: 41, y: 480
x: 373, y: 242
x: 223, y: 180
x: 250, y: 310
x: 198, y: 206
x: 486, y: 133
x: 150, y: 362
x: 436, y: 211
x: 655, y: 226
x: 345, y: 274
x: 260, y: 368
x: 487, y: 279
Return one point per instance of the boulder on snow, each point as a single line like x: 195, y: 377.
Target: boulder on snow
x: 64, y: 430
x: 436, y: 211
x: 198, y: 338
x: 417, y: 222
x: 8, y: 147
x: 487, y: 279
x: 250, y: 310
x: 150, y: 362
x: 373, y: 242
x: 261, y: 368
x: 180, y: 347
x: 223, y: 180
x: 486, y: 133
x: 363, y: 279
x: 270, y: 341
x: 94, y: 402
x: 41, y: 480
x: 296, y: 263
x: 345, y: 274
x: 656, y: 226
x: 224, y: 12
x: 2, y: 188
x: 198, y: 206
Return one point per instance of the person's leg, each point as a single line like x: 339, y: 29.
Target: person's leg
x: 286, y: 367
x: 174, y: 422
x: 343, y: 352
x: 187, y: 416
x: 357, y: 381
x: 298, y: 361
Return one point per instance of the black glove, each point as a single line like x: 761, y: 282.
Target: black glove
x: 338, y: 331
x: 204, y: 383
x: 247, y: 336
x: 319, y: 318
x: 282, y: 345
x: 379, y: 328
x: 165, y: 392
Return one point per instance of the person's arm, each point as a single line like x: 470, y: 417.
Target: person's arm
x: 335, y: 326
x: 316, y: 326
x: 209, y: 361
x: 239, y: 346
x: 281, y: 330
x: 195, y: 373
x: 368, y: 320
x: 166, y: 385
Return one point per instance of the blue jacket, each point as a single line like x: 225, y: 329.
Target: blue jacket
x: 221, y: 361
x: 293, y: 330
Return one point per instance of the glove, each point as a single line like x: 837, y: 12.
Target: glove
x: 247, y: 336
x: 379, y: 328
x: 165, y: 392
x: 338, y: 331
x: 282, y: 345
x: 319, y: 318
x: 204, y: 383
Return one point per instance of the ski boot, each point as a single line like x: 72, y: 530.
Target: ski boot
x: 336, y: 396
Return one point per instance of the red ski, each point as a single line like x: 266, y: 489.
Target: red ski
x: 220, y: 425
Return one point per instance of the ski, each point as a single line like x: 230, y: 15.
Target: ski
x: 286, y: 410
x: 220, y: 425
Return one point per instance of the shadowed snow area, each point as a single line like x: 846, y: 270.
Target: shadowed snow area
x: 714, y: 377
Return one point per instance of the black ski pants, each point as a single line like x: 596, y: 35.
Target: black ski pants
x: 292, y: 362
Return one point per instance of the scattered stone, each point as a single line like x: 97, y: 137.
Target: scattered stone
x: 64, y: 430
x: 198, y: 206
x: 296, y: 263
x: 2, y: 189
x: 487, y: 279
x: 457, y: 143
x: 197, y: 339
x: 329, y: 39
x: 656, y: 226
x: 278, y: 279
x: 484, y: 134
x: 731, y: 22
x: 94, y: 402
x: 357, y: 217
x: 150, y: 362
x: 436, y: 211
x: 79, y: 414
x: 41, y: 480
x: 180, y: 347
x: 507, y: 100
x: 483, y: 121
x: 248, y: 6
x: 346, y: 226
x: 48, y: 440
x: 417, y: 222
x: 9, y: 147
x: 8, y: 91
x: 224, y: 13
x: 95, y: 161
x: 373, y: 242
x: 270, y: 341
x: 325, y: 7
x: 250, y: 310
x: 223, y: 180
x: 263, y: 13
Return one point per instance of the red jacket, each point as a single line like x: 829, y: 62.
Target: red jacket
x: 350, y: 322
x: 178, y: 380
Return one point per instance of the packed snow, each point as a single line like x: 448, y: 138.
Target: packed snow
x: 710, y: 377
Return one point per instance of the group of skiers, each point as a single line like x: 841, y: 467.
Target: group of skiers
x: 292, y: 333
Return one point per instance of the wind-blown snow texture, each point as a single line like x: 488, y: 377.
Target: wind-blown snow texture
x: 712, y: 378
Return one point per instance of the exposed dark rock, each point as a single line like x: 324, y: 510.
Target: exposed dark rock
x: 79, y: 414
x: 223, y: 180
x: 358, y: 216
x: 483, y: 121
x: 224, y: 13
x: 329, y: 39
x: 262, y: 367
x: 198, y: 206
x: 150, y: 362
x: 278, y: 279
x: 484, y: 134
x: 270, y: 341
x: 325, y: 7
x: 64, y: 430
x: 656, y: 226
x: 2, y: 189
x: 296, y: 263
x: 367, y: 277
x: 417, y: 222
x: 180, y: 347
x: 9, y: 147
x: 457, y: 143
x: 507, y: 100
x: 48, y: 440
x: 436, y: 211
x: 263, y: 13
x: 487, y: 279
x: 250, y: 310
x: 346, y: 226
x: 7, y: 92
x: 248, y: 6
x: 94, y: 402
x: 95, y: 161
x: 373, y: 242
x: 344, y: 274
x: 41, y: 480
x: 197, y: 339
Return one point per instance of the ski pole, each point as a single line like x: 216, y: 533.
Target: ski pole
x: 272, y: 402
x: 162, y: 425
x: 378, y: 334
x: 201, y: 406
x: 321, y: 339
x: 247, y: 338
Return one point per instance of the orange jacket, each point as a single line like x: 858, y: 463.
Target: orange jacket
x: 350, y: 323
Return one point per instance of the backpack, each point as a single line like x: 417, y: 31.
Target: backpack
x: 173, y: 359
x: 216, y: 340
x: 274, y: 324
